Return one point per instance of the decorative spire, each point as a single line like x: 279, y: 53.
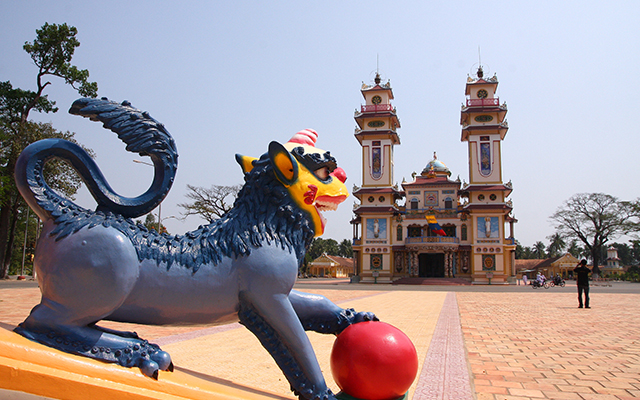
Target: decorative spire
x: 377, y: 80
x: 305, y: 136
x: 480, y: 73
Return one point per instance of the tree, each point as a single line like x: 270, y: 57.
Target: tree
x: 51, y: 52
x: 539, y: 250
x: 320, y: 246
x: 593, y: 219
x: 635, y: 252
x: 524, y: 252
x: 150, y: 222
x: 556, y: 245
x: 59, y: 175
x: 345, y: 249
x: 211, y: 203
x: 575, y: 250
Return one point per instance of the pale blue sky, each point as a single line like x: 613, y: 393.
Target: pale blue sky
x: 229, y: 77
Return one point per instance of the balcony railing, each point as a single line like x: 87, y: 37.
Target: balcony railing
x: 358, y: 130
x: 431, y: 239
x: 377, y: 107
x: 437, y: 212
x: 483, y: 102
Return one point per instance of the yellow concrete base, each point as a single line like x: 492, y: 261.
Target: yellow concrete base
x: 29, y: 367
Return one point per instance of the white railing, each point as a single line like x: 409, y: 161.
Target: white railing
x: 483, y: 102
x: 431, y: 239
x: 376, y: 108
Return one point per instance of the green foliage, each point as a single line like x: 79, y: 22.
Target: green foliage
x: 14, y: 102
x: 52, y: 51
x: 556, y: 245
x: 150, y: 222
x: 575, y: 250
x: 24, y: 249
x: 539, y: 250
x: 345, y: 249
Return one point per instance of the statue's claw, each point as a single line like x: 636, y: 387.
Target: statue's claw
x: 364, y: 316
x: 149, y: 368
x: 123, y: 348
x: 163, y: 359
x: 349, y: 316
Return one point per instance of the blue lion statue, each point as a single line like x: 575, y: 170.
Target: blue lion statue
x: 99, y: 264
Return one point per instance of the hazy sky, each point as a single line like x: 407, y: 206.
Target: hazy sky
x: 229, y: 77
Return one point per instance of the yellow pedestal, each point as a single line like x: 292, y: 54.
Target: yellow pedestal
x: 30, y: 367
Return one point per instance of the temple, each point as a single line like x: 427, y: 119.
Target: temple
x: 433, y: 226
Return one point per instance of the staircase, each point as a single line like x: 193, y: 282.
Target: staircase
x: 432, y: 281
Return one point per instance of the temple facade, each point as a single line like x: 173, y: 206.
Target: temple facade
x: 433, y: 226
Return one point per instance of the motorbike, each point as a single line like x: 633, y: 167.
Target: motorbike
x: 556, y: 282
x: 536, y: 284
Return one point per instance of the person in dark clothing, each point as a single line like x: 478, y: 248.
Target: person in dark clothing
x: 583, y: 283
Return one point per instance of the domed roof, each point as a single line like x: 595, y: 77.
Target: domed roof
x: 436, y: 167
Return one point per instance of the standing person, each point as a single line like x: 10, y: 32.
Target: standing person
x: 524, y: 279
x: 583, y: 283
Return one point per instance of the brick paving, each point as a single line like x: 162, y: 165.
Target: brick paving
x: 527, y: 346
x: 511, y: 345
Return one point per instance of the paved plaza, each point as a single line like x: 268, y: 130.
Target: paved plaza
x: 473, y: 342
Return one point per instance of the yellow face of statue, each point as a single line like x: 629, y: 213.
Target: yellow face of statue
x: 315, y: 187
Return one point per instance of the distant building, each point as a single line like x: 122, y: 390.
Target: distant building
x: 612, y: 266
x: 562, y: 265
x: 434, y: 226
x: 331, y: 267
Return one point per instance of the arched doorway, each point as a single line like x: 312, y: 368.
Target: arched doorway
x: 431, y: 265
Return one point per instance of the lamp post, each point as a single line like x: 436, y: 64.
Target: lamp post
x: 24, y: 247
x: 159, y: 205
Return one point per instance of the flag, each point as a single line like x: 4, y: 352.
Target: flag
x: 434, y: 226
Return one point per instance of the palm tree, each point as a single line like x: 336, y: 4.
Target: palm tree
x: 556, y: 245
x: 574, y: 249
x: 538, y: 249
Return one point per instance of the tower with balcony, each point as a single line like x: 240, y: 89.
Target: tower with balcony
x: 376, y: 132
x: 492, y: 251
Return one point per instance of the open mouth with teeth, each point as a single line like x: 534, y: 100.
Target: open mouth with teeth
x: 327, y: 203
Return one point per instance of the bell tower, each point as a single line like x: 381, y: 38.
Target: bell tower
x: 484, y: 128
x: 377, y: 123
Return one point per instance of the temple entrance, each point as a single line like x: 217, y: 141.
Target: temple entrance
x: 431, y: 265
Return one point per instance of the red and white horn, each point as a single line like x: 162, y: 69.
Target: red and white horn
x: 305, y: 136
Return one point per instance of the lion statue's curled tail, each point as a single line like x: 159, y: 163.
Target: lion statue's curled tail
x: 99, y: 264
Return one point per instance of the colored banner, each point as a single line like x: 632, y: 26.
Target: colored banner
x: 434, y: 226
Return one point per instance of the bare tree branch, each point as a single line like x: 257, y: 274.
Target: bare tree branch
x: 593, y: 219
x: 209, y: 203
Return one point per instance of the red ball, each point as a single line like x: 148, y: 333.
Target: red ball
x: 374, y: 361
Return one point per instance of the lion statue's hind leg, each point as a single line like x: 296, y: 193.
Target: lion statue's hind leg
x: 85, y: 278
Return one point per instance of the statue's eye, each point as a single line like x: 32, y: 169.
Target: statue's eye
x: 322, y: 173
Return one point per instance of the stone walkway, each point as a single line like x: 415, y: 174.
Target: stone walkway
x: 471, y: 344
